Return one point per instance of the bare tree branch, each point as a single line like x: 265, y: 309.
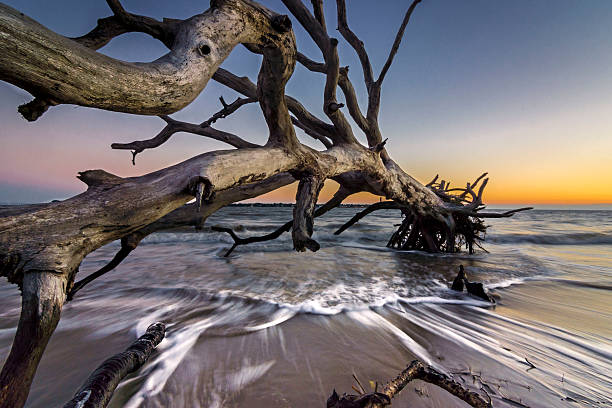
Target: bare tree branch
x: 356, y: 43
x: 310, y: 64
x: 203, y: 129
x: 317, y: 6
x: 95, y: 80
x: 244, y: 86
x: 328, y: 47
x: 107, y: 29
x: 347, y: 89
x: 308, y: 21
x: 383, y: 205
x: 331, y: 107
x: 396, y: 43
x: 164, y: 31
x: 323, y: 139
x: 227, y: 110
x: 500, y: 215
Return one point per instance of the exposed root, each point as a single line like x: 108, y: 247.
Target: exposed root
x: 463, y: 226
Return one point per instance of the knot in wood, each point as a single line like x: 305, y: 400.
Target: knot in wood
x: 204, y: 49
x: 334, y: 106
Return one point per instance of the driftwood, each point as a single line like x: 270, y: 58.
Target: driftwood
x: 415, y: 371
x: 458, y: 281
x: 473, y: 288
x: 42, y: 246
x: 98, y: 389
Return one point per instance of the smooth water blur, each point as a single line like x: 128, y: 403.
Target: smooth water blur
x: 268, y: 327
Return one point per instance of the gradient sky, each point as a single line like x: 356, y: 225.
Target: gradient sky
x: 521, y: 89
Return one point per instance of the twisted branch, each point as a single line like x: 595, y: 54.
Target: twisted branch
x: 203, y: 129
x: 356, y: 43
x: 415, y: 371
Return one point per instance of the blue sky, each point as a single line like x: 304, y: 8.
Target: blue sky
x: 521, y: 89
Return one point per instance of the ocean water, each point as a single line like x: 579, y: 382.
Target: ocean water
x: 268, y: 327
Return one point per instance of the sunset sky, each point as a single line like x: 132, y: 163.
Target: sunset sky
x: 521, y: 89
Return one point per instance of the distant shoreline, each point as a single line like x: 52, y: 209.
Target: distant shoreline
x: 542, y: 207
x: 290, y: 205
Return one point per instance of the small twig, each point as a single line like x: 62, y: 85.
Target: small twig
x: 363, y: 391
x: 396, y: 43
x: 531, y: 365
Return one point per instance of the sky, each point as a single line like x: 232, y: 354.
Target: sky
x: 520, y: 89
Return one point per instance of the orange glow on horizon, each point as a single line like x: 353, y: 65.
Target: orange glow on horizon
x: 496, y: 193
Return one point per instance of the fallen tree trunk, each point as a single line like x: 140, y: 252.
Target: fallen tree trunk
x: 187, y: 215
x: 98, y: 389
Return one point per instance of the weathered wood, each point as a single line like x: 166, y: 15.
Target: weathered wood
x: 383, y: 205
x: 186, y: 215
x: 175, y: 126
x: 81, y: 76
x: 306, y: 199
x: 458, y: 281
x: 98, y: 389
x: 415, y: 371
x: 473, y: 288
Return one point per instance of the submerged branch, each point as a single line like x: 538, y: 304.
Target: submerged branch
x: 383, y: 205
x: 335, y: 201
